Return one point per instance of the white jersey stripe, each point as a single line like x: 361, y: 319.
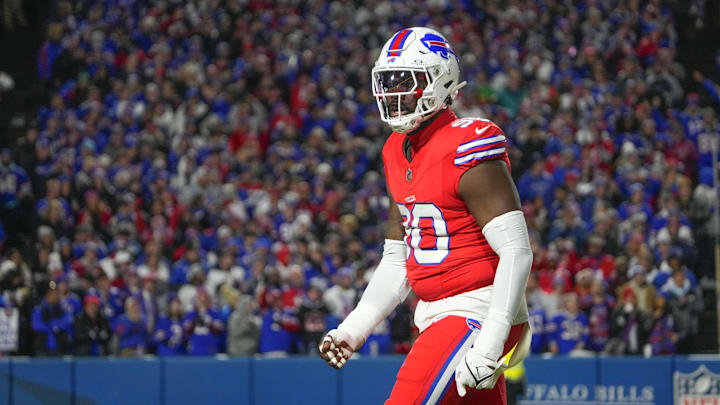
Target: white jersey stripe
x: 479, y: 155
x: 480, y: 142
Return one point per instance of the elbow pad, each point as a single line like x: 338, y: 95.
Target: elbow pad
x: 387, y: 288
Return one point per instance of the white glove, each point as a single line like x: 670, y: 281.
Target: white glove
x: 480, y: 368
x: 337, y: 347
x: 477, y: 371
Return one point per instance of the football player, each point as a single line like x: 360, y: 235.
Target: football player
x: 455, y: 234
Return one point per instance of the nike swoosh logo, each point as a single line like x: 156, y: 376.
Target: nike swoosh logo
x: 481, y: 131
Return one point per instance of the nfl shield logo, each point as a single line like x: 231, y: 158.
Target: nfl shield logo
x: 408, y: 175
x: 701, y: 387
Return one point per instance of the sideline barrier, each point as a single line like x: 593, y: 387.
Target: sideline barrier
x: 682, y: 380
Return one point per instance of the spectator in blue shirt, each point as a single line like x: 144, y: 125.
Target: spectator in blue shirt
x: 52, y: 325
x: 569, y: 330
x: 111, y: 299
x: 132, y: 330
x: 635, y: 204
x: 279, y: 326
x: 538, y: 324
x: 204, y: 327
x: 68, y: 300
x: 536, y: 182
x: 379, y: 341
x: 169, y: 335
x: 569, y: 224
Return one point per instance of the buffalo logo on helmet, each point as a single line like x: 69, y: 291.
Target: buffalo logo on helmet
x: 437, y: 44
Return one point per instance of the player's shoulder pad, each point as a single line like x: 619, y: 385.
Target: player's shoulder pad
x: 478, y: 139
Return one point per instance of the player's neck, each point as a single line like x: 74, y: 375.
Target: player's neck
x: 423, y: 134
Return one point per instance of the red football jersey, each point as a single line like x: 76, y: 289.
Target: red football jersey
x: 448, y: 253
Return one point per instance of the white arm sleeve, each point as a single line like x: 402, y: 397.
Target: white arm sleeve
x: 508, y: 236
x: 387, y: 288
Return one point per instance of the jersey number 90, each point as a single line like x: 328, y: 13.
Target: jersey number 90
x: 413, y: 235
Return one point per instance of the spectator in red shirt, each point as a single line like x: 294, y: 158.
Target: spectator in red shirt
x: 597, y: 260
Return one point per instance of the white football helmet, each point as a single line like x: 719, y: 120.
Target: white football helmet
x: 416, y: 75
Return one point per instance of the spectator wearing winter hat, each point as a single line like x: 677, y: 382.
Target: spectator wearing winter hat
x: 92, y: 331
x: 52, y: 325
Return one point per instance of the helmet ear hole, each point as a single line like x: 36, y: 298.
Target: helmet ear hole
x: 448, y: 84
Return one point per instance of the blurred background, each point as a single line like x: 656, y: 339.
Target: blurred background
x: 203, y: 177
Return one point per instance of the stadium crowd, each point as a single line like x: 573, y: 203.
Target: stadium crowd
x: 205, y: 176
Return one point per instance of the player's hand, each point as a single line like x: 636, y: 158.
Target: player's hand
x: 336, y: 348
x: 477, y: 371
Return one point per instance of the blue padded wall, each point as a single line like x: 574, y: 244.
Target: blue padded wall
x: 118, y: 381
x: 5, y: 382
x: 199, y: 380
x: 307, y: 380
x: 294, y: 381
x: 41, y: 381
x: 635, y: 380
x: 359, y: 375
